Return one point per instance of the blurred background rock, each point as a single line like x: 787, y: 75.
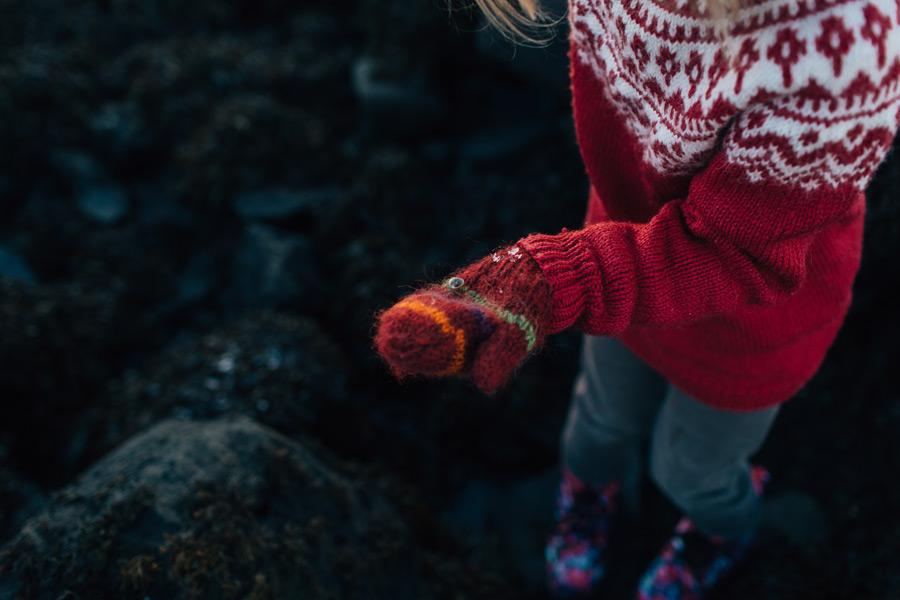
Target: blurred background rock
x: 203, y: 205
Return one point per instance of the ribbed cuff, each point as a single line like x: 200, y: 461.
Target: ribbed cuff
x: 571, y: 269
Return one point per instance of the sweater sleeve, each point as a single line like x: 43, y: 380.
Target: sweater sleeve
x: 741, y: 235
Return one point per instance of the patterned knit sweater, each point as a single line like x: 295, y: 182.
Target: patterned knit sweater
x: 726, y: 213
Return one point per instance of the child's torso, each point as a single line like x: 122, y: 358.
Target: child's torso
x: 676, y: 91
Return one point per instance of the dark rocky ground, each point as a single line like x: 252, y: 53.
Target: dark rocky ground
x: 204, y: 204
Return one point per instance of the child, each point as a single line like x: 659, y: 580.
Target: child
x: 728, y: 149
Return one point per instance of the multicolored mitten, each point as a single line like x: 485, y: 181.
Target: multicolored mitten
x: 483, y: 322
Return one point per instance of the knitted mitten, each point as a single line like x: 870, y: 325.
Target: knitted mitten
x: 691, y: 563
x: 575, y: 555
x: 483, y: 322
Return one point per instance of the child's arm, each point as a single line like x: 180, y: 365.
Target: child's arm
x: 741, y: 236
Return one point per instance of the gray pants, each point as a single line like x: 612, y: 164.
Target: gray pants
x: 698, y: 454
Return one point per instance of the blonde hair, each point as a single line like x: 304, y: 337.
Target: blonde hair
x: 521, y: 19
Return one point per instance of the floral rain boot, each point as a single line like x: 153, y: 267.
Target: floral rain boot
x: 576, y: 552
x: 691, y: 563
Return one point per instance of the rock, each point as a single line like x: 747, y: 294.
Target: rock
x: 280, y: 204
x: 105, y: 204
x: 13, y: 266
x: 543, y: 66
x: 281, y: 370
x: 395, y: 107
x: 54, y: 342
x: 225, y: 508
x: 96, y: 197
x: 250, y: 142
x: 493, y: 145
x: 274, y: 268
x: 58, y: 345
x: 43, y: 91
x: 62, y: 244
x: 197, y: 281
x: 516, y: 517
x: 120, y: 128
x: 878, y: 280
x: 78, y: 168
x: 20, y: 499
x: 795, y: 515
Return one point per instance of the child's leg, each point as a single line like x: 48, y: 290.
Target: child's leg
x: 698, y: 458
x: 614, y: 402
x: 615, y: 399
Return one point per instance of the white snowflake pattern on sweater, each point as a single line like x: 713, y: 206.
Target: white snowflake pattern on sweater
x: 800, y: 91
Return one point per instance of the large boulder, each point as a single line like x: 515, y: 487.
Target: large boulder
x: 226, y: 509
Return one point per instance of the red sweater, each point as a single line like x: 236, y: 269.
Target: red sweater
x: 725, y: 220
